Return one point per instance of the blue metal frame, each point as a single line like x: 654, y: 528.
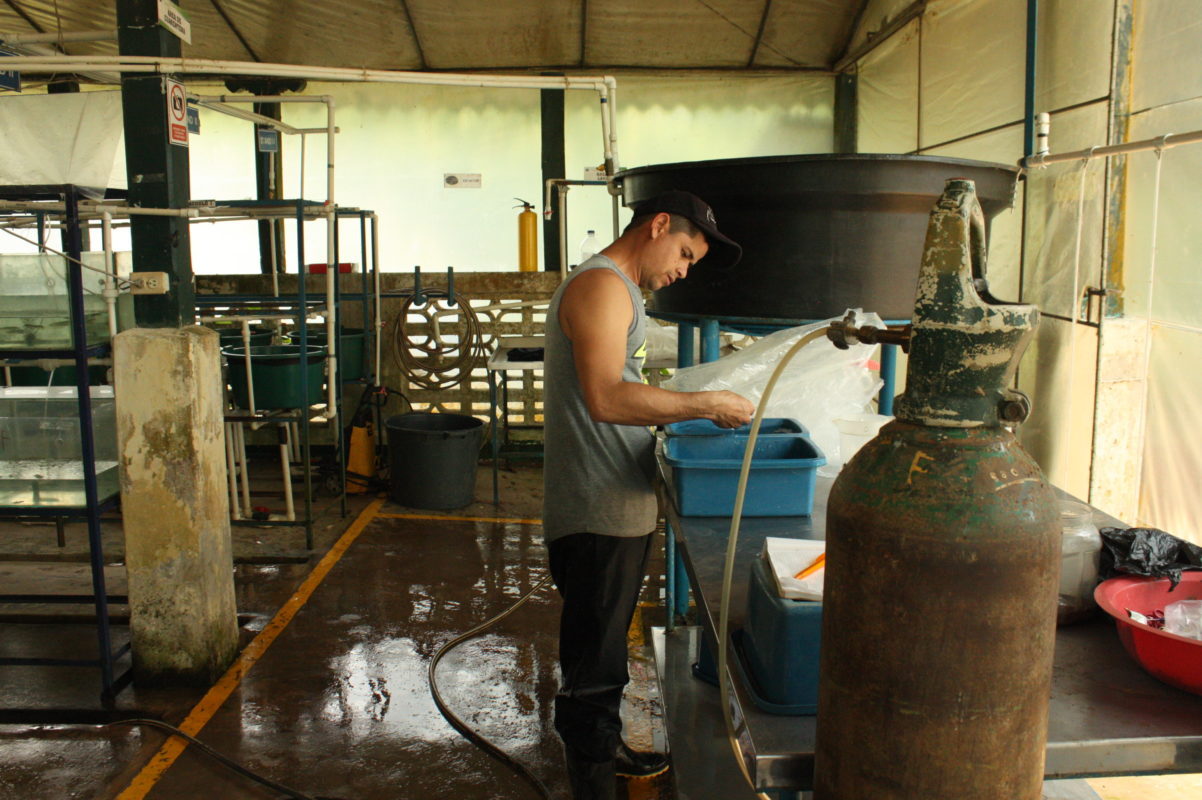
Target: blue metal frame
x: 301, y: 212
x: 111, y: 682
x: 676, y: 579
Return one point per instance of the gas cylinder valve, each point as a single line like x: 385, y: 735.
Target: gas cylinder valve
x: 844, y: 333
x: 1014, y: 408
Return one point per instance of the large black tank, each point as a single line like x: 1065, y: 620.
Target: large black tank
x: 820, y: 233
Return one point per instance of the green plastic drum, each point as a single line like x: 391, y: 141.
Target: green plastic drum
x: 350, y: 358
x: 232, y: 337
x: 277, y: 372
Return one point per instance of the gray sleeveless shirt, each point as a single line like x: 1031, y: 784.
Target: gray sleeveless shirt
x: 597, y: 477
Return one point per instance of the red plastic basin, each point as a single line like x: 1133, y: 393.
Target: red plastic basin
x: 1176, y: 660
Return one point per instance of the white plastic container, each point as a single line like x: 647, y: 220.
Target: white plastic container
x: 855, y: 431
x: 589, y: 246
x: 1081, y: 546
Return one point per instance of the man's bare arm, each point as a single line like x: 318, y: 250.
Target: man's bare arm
x: 595, y: 314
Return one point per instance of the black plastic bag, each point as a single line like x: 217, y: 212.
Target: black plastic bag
x: 1147, y: 551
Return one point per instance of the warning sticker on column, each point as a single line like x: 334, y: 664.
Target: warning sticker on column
x: 177, y: 113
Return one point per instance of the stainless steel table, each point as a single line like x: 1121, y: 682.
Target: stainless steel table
x: 1107, y: 716
x: 498, y: 367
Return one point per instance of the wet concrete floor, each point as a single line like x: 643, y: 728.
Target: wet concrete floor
x: 338, y: 705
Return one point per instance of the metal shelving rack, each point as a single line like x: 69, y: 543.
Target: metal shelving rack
x: 111, y: 681
x: 301, y: 211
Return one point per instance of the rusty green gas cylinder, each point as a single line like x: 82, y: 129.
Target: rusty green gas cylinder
x: 943, y: 557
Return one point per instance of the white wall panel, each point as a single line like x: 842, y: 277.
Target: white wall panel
x: 972, y: 67
x: 1167, y: 38
x: 221, y: 161
x: 1062, y: 202
x: 397, y: 141
x: 1177, y: 290
x: 888, y: 95
x: 1074, y: 46
x: 666, y: 120
x: 1172, y: 456
x: 1058, y: 375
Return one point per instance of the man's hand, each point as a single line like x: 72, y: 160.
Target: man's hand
x: 727, y: 409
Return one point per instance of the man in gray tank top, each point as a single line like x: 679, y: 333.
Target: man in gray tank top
x: 599, y: 507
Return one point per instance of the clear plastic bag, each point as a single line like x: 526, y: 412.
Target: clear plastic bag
x: 1184, y: 618
x: 821, y: 384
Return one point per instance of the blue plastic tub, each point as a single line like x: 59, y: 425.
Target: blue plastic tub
x: 771, y: 426
x: 778, y: 647
x: 705, y: 474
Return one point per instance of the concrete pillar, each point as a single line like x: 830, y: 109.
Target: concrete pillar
x: 178, y: 553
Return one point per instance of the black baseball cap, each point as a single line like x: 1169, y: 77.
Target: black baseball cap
x: 723, y: 251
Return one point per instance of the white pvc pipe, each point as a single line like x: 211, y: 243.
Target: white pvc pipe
x: 232, y: 469
x: 563, y: 233
x: 332, y: 387
x: 286, y: 467
x: 102, y: 208
x: 250, y: 376
x: 215, y: 102
x: 54, y: 38
x: 241, y: 451
x: 1158, y: 143
x: 379, y: 316
x: 110, y: 272
x: 604, y: 85
x: 249, y: 116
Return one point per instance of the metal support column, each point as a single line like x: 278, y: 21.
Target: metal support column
x: 156, y: 169
x: 79, y: 338
x: 709, y: 340
x: 554, y: 164
x: 889, y: 377
x: 846, y: 112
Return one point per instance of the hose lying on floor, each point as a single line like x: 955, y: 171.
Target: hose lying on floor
x: 224, y: 760
x: 462, y: 726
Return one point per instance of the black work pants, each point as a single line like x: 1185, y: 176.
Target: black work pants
x: 599, y: 578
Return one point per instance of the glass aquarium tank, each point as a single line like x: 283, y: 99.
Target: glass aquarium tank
x: 35, y: 307
x: 41, y: 464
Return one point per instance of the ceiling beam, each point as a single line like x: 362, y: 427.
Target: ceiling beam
x: 583, y: 31
x: 230, y: 24
x: 21, y: 13
x: 877, y: 38
x: 417, y: 40
x: 759, y: 35
x: 851, y: 31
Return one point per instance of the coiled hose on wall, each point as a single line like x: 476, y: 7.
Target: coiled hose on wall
x: 429, y: 361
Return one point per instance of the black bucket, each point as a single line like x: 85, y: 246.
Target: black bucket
x: 433, y: 459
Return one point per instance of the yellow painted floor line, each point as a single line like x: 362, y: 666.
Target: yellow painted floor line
x: 510, y: 520
x: 203, y: 711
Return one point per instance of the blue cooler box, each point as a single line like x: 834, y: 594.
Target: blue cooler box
x: 769, y: 426
x: 705, y: 475
x: 778, y: 647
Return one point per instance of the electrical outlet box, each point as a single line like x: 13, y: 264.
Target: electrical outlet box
x: 148, y: 283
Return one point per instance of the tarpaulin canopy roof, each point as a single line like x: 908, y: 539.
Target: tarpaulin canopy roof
x: 485, y: 34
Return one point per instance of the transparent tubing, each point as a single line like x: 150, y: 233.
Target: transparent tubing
x: 736, y: 520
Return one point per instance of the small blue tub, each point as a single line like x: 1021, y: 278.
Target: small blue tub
x: 771, y: 426
x: 779, y: 647
x: 705, y: 474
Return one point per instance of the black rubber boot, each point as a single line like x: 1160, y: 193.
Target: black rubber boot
x: 591, y: 780
x: 634, y: 764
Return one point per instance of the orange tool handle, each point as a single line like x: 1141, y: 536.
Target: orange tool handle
x: 815, y: 565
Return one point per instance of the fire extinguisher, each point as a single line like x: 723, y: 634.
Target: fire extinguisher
x: 527, y: 237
